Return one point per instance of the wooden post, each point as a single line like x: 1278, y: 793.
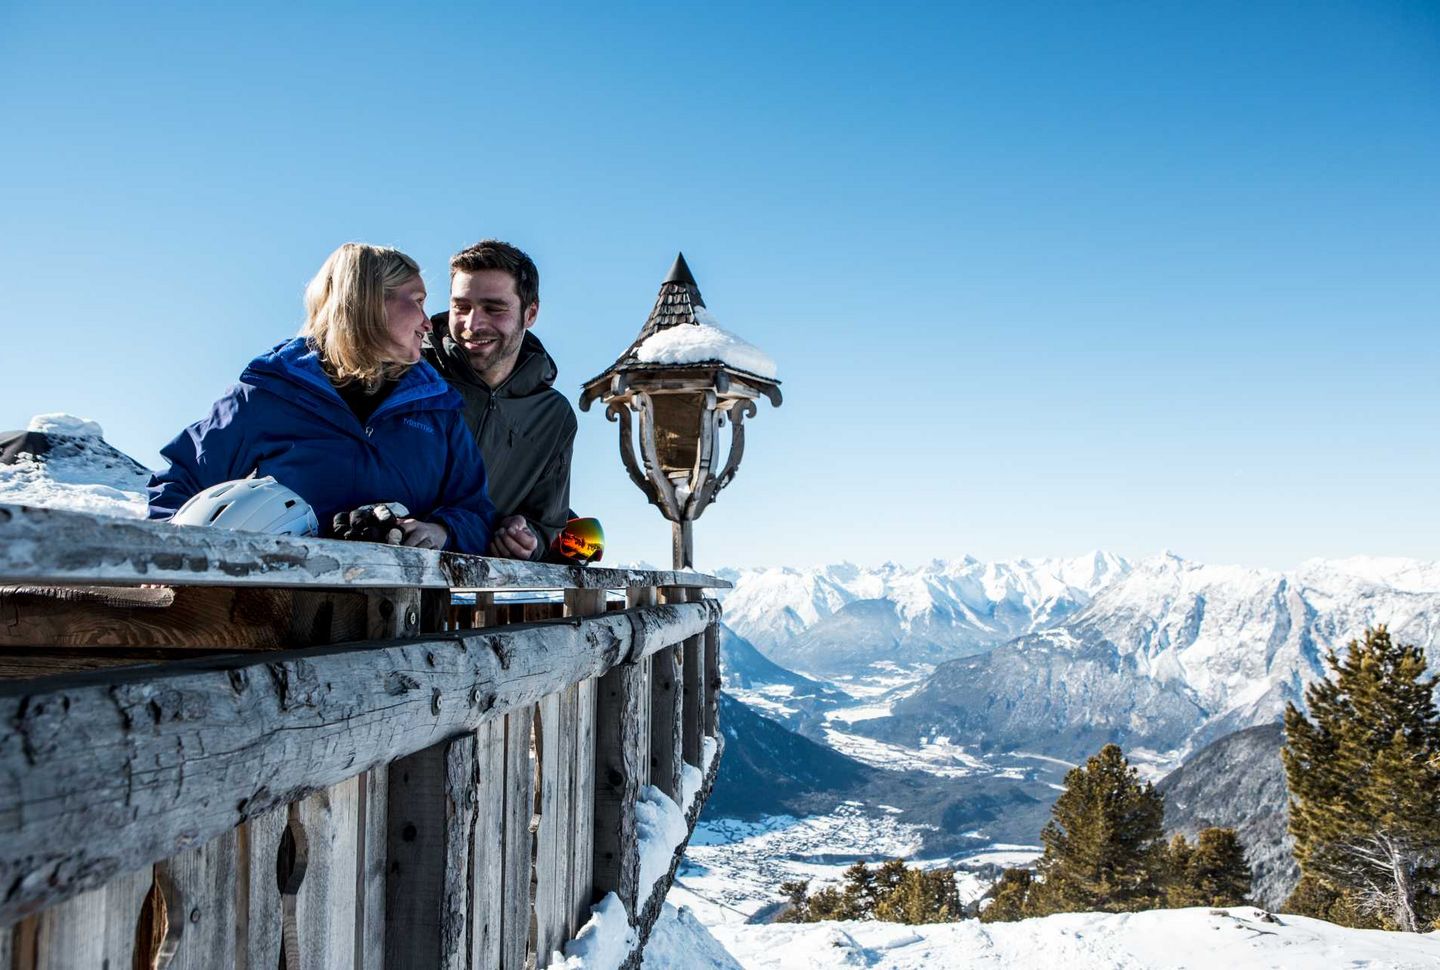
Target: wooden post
x: 667, y: 711
x: 622, y: 752
x: 694, y: 660
x: 519, y: 843
x: 682, y: 544
x: 583, y: 602
x: 712, y: 680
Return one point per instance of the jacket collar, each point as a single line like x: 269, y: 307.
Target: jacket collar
x: 534, y: 371
x: 296, y: 365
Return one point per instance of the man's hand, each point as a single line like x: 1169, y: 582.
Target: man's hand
x: 423, y: 535
x: 512, y: 539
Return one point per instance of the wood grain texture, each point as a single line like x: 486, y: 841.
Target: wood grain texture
x: 488, y: 852
x: 713, y: 680
x: 693, y: 730
x: 460, y: 808
x: 71, y: 936
x: 258, y: 845
x: 582, y: 860
x: 58, y: 547
x: 325, y: 904
x: 370, y: 872
x: 621, y: 752
x: 109, y: 771
x: 200, y: 897
x: 207, y: 617
x: 519, y: 842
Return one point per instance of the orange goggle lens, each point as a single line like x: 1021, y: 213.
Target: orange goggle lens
x: 582, y: 541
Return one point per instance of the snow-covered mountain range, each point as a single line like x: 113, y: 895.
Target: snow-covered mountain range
x: 843, y: 618
x: 1059, y: 656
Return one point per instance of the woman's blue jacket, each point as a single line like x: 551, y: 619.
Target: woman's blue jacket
x: 286, y: 419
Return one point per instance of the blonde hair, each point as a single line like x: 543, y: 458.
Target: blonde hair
x: 345, y: 311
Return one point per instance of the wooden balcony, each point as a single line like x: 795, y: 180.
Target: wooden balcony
x: 226, y: 750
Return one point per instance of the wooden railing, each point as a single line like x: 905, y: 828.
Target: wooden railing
x: 221, y: 749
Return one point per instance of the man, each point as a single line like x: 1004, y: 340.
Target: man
x: 484, y: 348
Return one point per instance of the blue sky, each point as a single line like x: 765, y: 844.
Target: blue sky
x: 1040, y: 278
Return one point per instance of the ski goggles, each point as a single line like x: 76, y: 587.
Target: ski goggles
x: 582, y: 541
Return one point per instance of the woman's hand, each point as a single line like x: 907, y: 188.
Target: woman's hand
x: 423, y: 535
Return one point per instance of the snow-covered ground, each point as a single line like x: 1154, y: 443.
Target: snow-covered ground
x: 85, y: 475
x: 1182, y: 939
x: 733, y: 869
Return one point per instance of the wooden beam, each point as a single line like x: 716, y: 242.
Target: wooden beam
x: 58, y: 547
x: 108, y: 771
x: 712, y: 680
x: 667, y: 710
x: 694, y: 662
x: 519, y: 845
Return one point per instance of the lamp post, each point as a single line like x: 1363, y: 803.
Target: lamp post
x: 684, y: 386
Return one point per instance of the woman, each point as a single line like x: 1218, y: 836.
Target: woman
x: 346, y: 414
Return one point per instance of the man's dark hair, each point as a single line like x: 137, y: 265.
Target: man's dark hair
x: 494, y: 254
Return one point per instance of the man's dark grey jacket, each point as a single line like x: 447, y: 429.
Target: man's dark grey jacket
x: 525, y: 428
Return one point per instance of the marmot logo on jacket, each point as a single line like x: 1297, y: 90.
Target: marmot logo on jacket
x: 419, y: 425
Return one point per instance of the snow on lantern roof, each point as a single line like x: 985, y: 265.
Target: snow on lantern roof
x: 681, y: 331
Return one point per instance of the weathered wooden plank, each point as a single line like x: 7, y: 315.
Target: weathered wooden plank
x: 636, y: 597
x: 259, y: 905
x: 693, y: 728
x: 667, y: 712
x: 58, y: 547
x: 667, y: 708
x: 488, y: 869
x: 582, y: 864
x: 713, y: 680
x: 582, y: 858
x: 460, y: 806
x: 621, y: 750
x: 515, y: 919
x: 124, y: 900
x: 431, y: 821
x: 68, y: 617
x: 199, y: 886
x: 7, y: 947
x: 551, y: 839
x: 108, y: 771
x: 319, y: 617
x: 370, y: 873
x: 325, y: 904
x: 71, y: 936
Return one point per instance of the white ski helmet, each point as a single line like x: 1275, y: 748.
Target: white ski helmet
x: 250, y: 505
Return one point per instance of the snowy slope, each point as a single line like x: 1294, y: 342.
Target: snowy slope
x: 1195, y: 939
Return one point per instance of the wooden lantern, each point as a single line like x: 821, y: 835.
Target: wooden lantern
x: 682, y: 409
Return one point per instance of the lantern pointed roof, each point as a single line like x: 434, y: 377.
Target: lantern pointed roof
x: 674, y: 307
x: 679, y: 304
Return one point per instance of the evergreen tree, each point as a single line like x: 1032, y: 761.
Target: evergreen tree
x: 893, y: 892
x: 921, y: 896
x: 1179, y: 892
x: 1364, y: 777
x: 1010, y: 899
x: 1213, y: 872
x: 796, y: 893
x: 1104, y: 843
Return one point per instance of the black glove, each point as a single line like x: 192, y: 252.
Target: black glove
x: 376, y: 522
